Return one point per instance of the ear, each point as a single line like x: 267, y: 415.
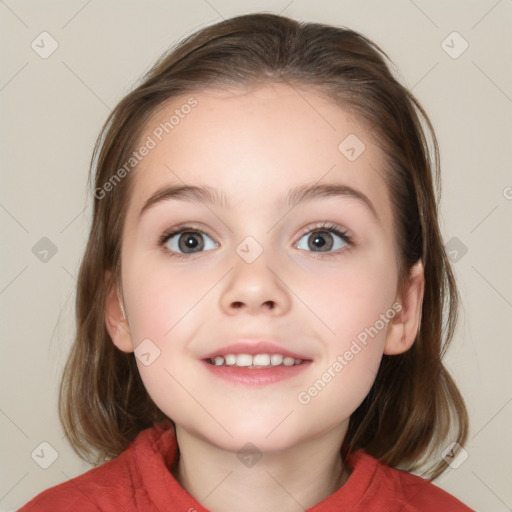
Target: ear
x: 115, y: 321
x: 403, y: 328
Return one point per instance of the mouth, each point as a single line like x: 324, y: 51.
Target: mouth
x: 254, y: 362
x: 247, y: 373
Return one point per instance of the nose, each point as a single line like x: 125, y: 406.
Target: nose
x: 255, y: 288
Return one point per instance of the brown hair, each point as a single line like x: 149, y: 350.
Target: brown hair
x: 414, y: 402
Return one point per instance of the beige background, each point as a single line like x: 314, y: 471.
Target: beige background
x: 52, y: 110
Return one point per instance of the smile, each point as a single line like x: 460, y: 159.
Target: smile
x: 257, y: 361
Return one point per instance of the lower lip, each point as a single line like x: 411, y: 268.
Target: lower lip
x: 256, y: 376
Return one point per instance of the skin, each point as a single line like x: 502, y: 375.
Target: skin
x: 253, y: 145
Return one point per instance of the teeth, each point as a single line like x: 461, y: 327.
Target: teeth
x: 230, y: 359
x: 261, y: 360
x: 256, y: 361
x: 276, y: 359
x: 243, y: 360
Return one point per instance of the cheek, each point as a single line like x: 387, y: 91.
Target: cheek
x: 163, y: 308
x: 350, y: 295
x: 356, y: 313
x: 160, y: 296
x: 353, y: 303
x: 166, y: 308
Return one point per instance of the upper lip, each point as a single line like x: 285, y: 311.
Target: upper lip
x: 253, y: 347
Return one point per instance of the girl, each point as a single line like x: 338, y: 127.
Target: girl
x: 260, y: 306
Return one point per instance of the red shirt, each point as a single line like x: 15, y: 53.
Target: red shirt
x: 140, y: 480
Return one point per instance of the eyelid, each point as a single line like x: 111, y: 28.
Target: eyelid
x: 324, y: 226
x: 181, y: 228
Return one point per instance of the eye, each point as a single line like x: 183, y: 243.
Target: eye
x: 324, y: 238
x: 187, y: 240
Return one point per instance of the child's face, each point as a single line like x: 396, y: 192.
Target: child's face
x: 254, y: 147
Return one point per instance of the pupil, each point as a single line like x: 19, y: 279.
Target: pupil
x: 319, y: 241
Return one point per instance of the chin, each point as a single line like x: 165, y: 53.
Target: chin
x: 269, y: 433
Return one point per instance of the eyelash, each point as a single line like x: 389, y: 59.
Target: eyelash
x: 321, y: 226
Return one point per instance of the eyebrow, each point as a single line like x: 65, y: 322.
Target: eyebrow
x: 296, y: 195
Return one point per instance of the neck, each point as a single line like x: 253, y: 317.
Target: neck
x: 288, y: 480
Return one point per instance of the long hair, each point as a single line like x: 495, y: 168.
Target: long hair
x: 414, y: 404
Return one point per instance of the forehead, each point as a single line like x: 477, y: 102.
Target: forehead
x: 257, y: 143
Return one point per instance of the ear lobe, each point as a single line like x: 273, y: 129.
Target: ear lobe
x: 404, y: 327
x: 115, y: 321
